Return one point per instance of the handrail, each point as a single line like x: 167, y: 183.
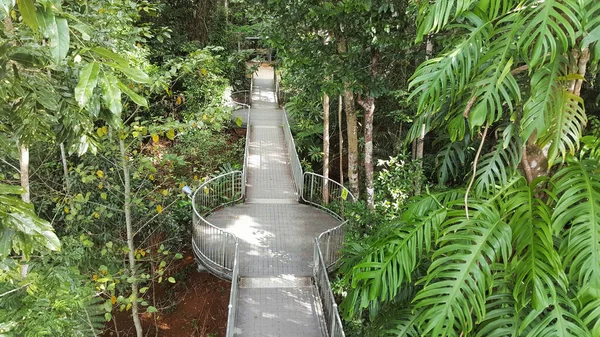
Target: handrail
x: 211, y: 244
x: 233, y: 300
x: 325, y: 193
x: 216, y: 248
x: 330, y: 196
x: 294, y: 159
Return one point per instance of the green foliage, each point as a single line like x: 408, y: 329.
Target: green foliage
x: 21, y: 230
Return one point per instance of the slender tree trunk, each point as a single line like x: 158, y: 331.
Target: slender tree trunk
x: 63, y: 157
x: 130, y: 245
x: 24, y: 167
x: 420, y: 144
x: 26, y: 197
x: 352, y: 134
x: 341, y: 138
x: 421, y: 140
x: 326, y: 148
x: 352, y: 130
x: 368, y: 104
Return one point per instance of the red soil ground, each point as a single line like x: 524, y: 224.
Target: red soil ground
x: 194, y: 306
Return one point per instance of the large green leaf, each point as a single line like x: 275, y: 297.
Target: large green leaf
x: 502, y: 317
x: 544, y: 101
x: 576, y: 219
x: 6, y: 6
x: 559, y: 321
x: 453, y: 297
x: 390, y: 261
x: 551, y: 29
x: 565, y: 127
x: 440, y: 80
x: 133, y: 74
x: 139, y: 100
x: 495, y: 89
x: 591, y: 24
x: 28, y: 12
x: 62, y: 40
x: 497, y: 167
x: 103, y: 52
x: 535, y: 263
x: 111, y: 94
x: 88, y: 79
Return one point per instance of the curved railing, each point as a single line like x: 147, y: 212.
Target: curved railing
x: 215, y: 248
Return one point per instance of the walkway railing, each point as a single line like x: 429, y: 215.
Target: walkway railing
x: 330, y: 196
x: 215, y: 248
x: 294, y: 159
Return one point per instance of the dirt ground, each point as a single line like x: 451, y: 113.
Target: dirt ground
x: 194, y: 306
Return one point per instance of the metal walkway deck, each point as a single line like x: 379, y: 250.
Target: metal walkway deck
x: 276, y: 233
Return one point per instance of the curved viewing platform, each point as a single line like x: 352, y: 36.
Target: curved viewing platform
x: 266, y: 245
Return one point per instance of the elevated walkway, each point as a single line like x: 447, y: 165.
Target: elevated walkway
x: 274, y: 269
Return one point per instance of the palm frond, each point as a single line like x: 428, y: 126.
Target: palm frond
x: 543, y: 103
x: 565, y: 128
x: 441, y: 78
x: 497, y: 167
x: 576, y: 219
x: 535, y: 262
x: 558, y: 321
x: 459, y: 276
x: 550, y: 30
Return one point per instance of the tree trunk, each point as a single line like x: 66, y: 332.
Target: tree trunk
x: 63, y: 157
x: 420, y: 144
x: 24, y: 167
x: 341, y: 138
x: 352, y: 134
x: 326, y: 148
x: 352, y: 131
x: 130, y: 245
x: 26, y: 197
x: 368, y: 104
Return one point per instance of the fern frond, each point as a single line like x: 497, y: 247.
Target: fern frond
x: 576, y: 219
x: 459, y: 276
x: 497, y: 167
x: 565, y: 128
x: 550, y: 30
x: 535, y: 262
x: 559, y: 320
x: 442, y: 78
x: 543, y: 103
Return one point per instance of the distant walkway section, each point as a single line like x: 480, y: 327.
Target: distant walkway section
x: 276, y: 233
